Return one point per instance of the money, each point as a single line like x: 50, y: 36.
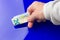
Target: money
x: 20, y: 19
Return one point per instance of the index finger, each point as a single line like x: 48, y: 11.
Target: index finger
x: 30, y: 9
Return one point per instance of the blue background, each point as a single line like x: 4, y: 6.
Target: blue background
x: 42, y: 31
x: 39, y: 31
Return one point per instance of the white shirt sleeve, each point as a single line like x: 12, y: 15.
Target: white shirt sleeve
x: 52, y: 11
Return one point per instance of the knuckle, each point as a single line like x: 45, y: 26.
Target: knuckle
x: 35, y: 1
x: 28, y: 8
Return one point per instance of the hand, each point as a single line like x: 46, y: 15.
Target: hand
x: 36, y: 13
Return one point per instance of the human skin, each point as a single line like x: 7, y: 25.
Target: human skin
x: 36, y: 13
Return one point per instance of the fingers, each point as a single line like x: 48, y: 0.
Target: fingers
x: 31, y: 19
x: 34, y: 11
x: 30, y: 24
x: 30, y: 9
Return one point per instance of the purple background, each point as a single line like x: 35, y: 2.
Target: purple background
x: 9, y: 9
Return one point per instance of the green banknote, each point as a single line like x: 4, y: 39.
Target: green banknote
x: 20, y: 19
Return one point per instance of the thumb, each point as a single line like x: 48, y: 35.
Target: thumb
x: 31, y: 19
x: 30, y: 24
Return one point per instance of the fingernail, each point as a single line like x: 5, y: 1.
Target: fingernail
x: 29, y: 24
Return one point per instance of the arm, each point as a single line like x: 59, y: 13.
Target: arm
x: 52, y: 12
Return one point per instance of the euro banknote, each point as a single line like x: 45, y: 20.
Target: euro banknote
x: 20, y: 19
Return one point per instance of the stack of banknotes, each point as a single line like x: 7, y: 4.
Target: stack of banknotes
x: 20, y: 19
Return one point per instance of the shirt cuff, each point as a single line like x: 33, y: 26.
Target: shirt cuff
x: 47, y: 10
